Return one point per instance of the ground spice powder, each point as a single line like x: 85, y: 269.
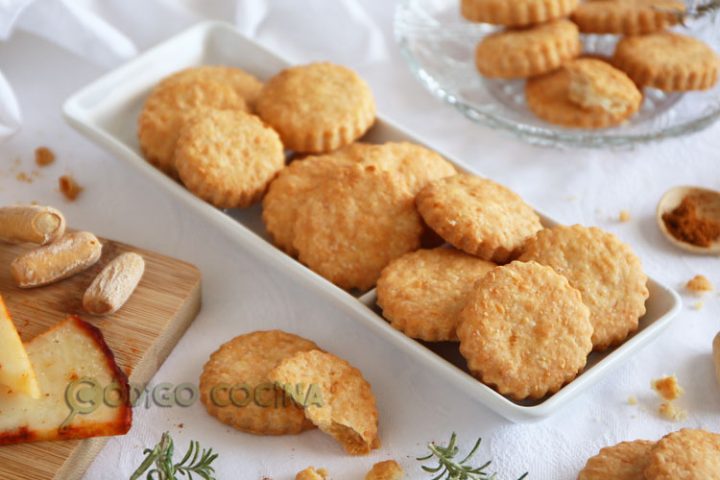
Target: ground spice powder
x: 687, y: 224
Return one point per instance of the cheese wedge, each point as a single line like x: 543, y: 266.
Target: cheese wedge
x: 16, y: 372
x: 84, y: 392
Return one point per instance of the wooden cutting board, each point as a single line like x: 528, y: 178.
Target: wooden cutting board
x: 141, y: 335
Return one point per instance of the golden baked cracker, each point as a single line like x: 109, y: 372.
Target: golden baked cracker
x: 355, y: 223
x: 228, y: 157
x: 667, y: 61
x: 318, y: 107
x: 529, y: 51
x: 311, y: 473
x: 288, y: 191
x: 548, y: 97
x: 478, y: 216
x: 415, y: 165
x: 597, y: 84
x: 624, y: 461
x: 169, y: 106
x: 236, y: 389
x: 387, y: 470
x: 344, y: 406
x: 605, y: 271
x: 525, y: 331
x: 247, y: 86
x: 423, y: 292
x: 516, y: 13
x: 688, y: 454
x: 627, y: 17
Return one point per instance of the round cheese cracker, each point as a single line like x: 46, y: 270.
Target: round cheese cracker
x: 605, y: 271
x: 627, y: 17
x: 688, y: 454
x: 169, y: 106
x: 516, y: 13
x: 228, y: 157
x: 245, y: 85
x: 668, y: 61
x: 415, y: 167
x: 624, y: 461
x: 525, y: 331
x: 235, y: 386
x: 527, y: 52
x: 423, y: 292
x: 355, y: 223
x: 478, y: 216
x: 343, y: 404
x: 317, y: 108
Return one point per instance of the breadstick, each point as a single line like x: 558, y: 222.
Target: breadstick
x: 30, y: 223
x: 72, y: 253
x: 114, y: 285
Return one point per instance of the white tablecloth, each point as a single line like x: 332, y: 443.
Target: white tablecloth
x: 240, y: 295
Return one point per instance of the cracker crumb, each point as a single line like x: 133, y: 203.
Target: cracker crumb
x: 668, y: 387
x: 69, y: 187
x: 698, y: 306
x: 311, y: 473
x: 669, y: 411
x: 632, y: 400
x: 23, y: 177
x: 387, y: 470
x: 699, y: 285
x: 624, y: 216
x: 44, y: 156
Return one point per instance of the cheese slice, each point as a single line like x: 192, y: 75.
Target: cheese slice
x: 16, y: 371
x: 84, y: 392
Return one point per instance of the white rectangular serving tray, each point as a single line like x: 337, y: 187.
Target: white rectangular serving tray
x: 106, y: 112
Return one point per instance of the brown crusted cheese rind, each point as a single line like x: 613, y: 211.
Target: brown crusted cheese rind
x: 423, y: 292
x: 528, y: 52
x: 244, y: 363
x: 668, y: 61
x: 345, y: 406
x: 607, y: 273
x: 525, y: 331
x: 228, y: 158
x: 317, y: 108
x: 627, y: 17
x: 516, y: 13
x: 111, y: 418
x: 478, y: 216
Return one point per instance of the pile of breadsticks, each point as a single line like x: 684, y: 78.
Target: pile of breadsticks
x: 61, y: 254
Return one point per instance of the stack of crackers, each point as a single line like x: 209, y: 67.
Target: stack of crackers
x: 540, y: 40
x: 527, y: 304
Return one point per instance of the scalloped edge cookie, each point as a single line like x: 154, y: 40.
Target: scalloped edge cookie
x: 516, y: 13
x: 525, y: 331
x: 528, y: 52
x: 317, y: 108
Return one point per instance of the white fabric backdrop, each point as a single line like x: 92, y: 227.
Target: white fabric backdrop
x: 590, y: 187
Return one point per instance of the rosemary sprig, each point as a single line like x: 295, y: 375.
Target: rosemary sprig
x: 697, y: 10
x: 159, y: 461
x: 448, y: 468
